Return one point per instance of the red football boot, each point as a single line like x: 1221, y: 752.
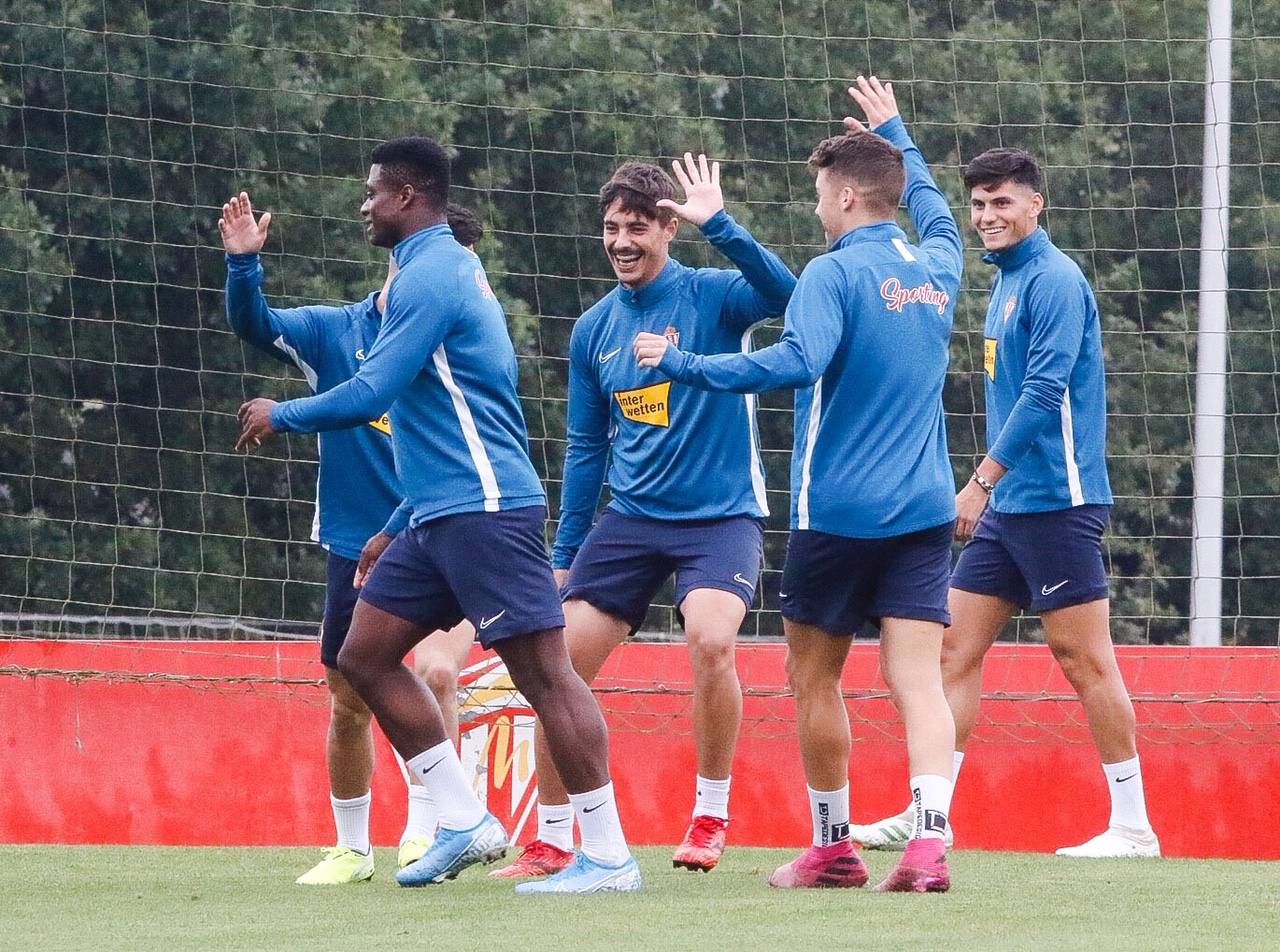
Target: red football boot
x: 539, y: 858
x: 703, y: 844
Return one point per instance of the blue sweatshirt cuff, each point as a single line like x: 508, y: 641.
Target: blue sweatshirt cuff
x: 719, y: 225
x: 278, y: 418
x: 673, y: 362
x: 243, y: 263
x: 892, y: 129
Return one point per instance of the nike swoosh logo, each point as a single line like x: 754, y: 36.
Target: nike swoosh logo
x: 434, y: 766
x: 552, y: 822
x: 486, y: 622
x: 596, y: 807
x: 605, y: 358
x: 737, y: 577
x: 1046, y: 590
x: 783, y: 594
x: 1123, y: 779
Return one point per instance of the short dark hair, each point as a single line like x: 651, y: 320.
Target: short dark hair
x: 870, y: 162
x: 997, y: 166
x: 417, y: 161
x: 639, y: 186
x: 464, y: 223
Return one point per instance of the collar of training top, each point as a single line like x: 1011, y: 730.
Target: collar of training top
x: 1021, y: 253
x: 412, y: 245
x: 656, y: 289
x: 878, y: 231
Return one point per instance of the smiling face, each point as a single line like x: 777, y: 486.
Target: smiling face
x: 1004, y: 214
x: 383, y: 209
x: 638, y: 246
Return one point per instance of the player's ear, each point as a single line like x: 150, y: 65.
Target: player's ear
x: 1037, y: 203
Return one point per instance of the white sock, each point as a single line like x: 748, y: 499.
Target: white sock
x: 829, y: 810
x: 602, y: 839
x: 555, y: 824
x: 422, y: 815
x: 1128, y: 803
x: 441, y: 774
x: 957, y: 758
x: 712, y: 797
x: 931, y: 796
x: 351, y: 817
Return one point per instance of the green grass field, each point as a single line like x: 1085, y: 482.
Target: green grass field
x: 144, y: 898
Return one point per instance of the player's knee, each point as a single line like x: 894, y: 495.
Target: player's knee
x: 348, y: 714
x: 711, y: 656
x: 1082, y: 669
x: 440, y: 676
x: 806, y: 677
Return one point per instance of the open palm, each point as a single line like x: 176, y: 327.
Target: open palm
x: 241, y: 234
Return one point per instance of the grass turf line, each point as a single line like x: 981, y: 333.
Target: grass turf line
x: 169, y: 898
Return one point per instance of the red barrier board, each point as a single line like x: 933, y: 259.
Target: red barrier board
x: 222, y: 743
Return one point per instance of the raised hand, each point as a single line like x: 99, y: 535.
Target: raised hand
x: 702, y: 197
x: 240, y: 233
x: 876, y: 100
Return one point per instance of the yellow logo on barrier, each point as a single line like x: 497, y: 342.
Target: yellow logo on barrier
x: 383, y: 423
x: 646, y: 404
x: 989, y: 356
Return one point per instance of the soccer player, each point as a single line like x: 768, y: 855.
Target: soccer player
x: 872, y: 504
x: 684, y: 470
x: 444, y: 367
x: 327, y: 345
x: 1035, y: 509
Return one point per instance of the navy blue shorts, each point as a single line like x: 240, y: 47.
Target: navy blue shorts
x: 340, y: 595
x: 838, y: 583
x: 625, y: 560
x: 488, y: 567
x: 1037, y: 560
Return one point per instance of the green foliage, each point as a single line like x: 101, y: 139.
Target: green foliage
x: 126, y: 126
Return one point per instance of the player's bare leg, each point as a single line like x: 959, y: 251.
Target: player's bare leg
x: 590, y: 635
x: 437, y: 661
x: 911, y: 661
x: 372, y: 661
x: 976, y: 622
x: 1080, y: 638
x: 575, y: 735
x: 349, y: 760
x: 712, y: 619
x: 815, y: 661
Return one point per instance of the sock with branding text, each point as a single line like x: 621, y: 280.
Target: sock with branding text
x: 931, y: 796
x: 351, y: 817
x: 602, y: 839
x: 555, y: 824
x: 1128, y: 802
x: 712, y: 797
x: 442, y: 775
x: 830, y: 812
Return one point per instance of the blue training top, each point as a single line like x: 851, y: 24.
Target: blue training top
x: 1045, y: 386
x: 866, y: 338
x: 358, y: 489
x: 445, y: 370
x: 671, y: 452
